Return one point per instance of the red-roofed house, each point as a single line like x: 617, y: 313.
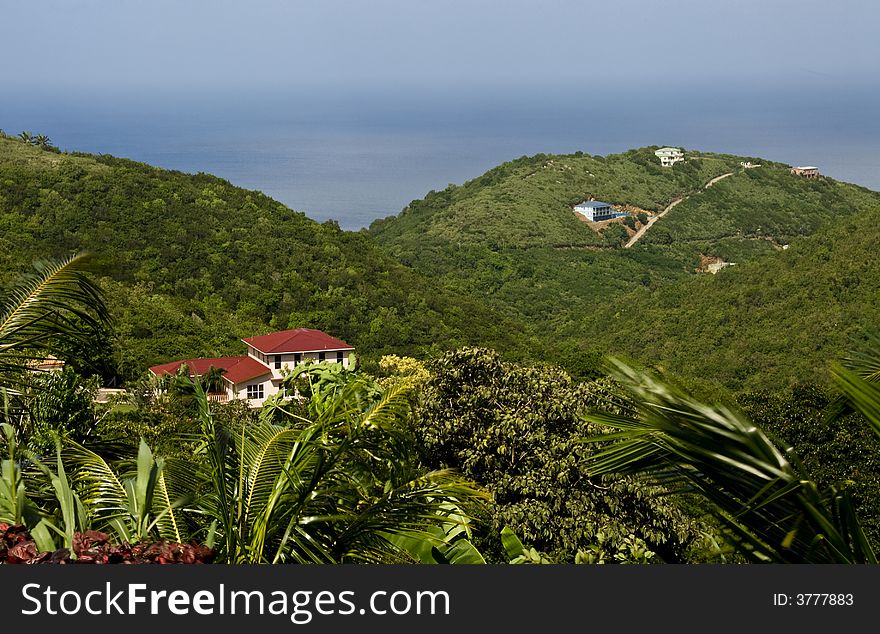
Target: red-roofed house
x: 258, y: 375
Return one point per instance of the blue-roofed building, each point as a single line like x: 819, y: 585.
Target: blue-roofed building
x: 595, y: 210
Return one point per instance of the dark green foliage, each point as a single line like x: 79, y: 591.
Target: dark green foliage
x: 842, y: 449
x: 766, y: 324
x: 59, y: 402
x: 168, y: 427
x: 517, y: 430
x: 615, y: 235
x: 511, y: 239
x: 192, y: 255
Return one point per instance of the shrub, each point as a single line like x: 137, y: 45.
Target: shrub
x: 93, y: 547
x: 517, y: 431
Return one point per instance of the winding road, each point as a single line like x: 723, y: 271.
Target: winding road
x: 638, y: 234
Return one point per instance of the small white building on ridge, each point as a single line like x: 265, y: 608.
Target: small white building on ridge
x: 257, y: 376
x: 669, y: 156
x: 595, y: 210
x: 806, y: 171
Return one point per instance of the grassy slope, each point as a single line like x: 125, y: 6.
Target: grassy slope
x: 510, y: 238
x: 192, y: 262
x: 770, y: 322
x: 753, y: 213
x: 528, y: 203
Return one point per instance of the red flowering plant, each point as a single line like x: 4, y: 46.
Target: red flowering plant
x: 93, y: 547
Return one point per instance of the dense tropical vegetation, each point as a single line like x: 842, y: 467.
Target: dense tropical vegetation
x: 180, y: 287
x: 517, y: 430
x: 803, y: 282
x: 525, y: 449
x: 768, y: 504
x: 339, y: 484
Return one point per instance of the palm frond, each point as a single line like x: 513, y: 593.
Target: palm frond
x: 758, y: 490
x: 176, y: 487
x: 862, y: 392
x: 866, y: 360
x: 864, y: 364
x: 410, y: 510
x: 327, y: 489
x: 56, y: 303
x: 99, y: 486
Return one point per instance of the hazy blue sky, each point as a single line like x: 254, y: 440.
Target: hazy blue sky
x: 416, y: 45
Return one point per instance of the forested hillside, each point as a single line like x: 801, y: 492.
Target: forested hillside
x: 777, y: 320
x: 192, y: 263
x: 511, y: 239
x: 755, y: 212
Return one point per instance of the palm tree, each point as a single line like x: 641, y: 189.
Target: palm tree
x: 55, y: 305
x: 59, y: 514
x: 212, y: 380
x: 41, y: 140
x: 757, y: 489
x: 342, y: 486
x: 858, y: 380
x: 134, y: 500
x: 26, y: 136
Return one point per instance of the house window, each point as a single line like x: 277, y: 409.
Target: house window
x: 255, y: 391
x: 322, y: 356
x: 297, y: 358
x: 277, y: 361
x: 339, y: 357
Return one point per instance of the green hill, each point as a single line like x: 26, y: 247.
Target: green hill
x: 511, y: 239
x: 192, y: 263
x: 774, y: 321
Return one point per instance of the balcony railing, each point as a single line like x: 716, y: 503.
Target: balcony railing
x: 218, y: 397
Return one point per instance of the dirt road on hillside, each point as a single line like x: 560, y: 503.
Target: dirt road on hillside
x: 638, y: 234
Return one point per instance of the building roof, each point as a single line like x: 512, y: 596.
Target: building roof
x: 668, y: 149
x: 592, y: 204
x: 238, y: 369
x: 298, y: 340
x: 806, y: 167
x: 50, y: 362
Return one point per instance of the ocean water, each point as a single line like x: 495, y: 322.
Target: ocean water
x: 357, y: 157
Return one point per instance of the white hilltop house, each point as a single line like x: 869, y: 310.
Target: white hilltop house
x: 806, y: 171
x: 669, y: 156
x: 257, y: 375
x: 595, y: 210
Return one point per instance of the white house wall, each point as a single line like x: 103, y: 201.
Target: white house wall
x: 270, y: 381
x: 287, y: 360
x: 269, y: 389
